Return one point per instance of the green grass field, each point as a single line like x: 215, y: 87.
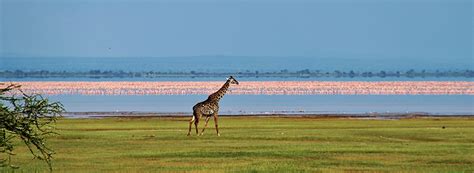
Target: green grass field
x: 256, y: 144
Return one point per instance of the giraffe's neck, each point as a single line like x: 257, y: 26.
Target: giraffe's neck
x: 220, y: 93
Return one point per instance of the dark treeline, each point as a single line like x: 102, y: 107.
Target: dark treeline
x: 306, y: 73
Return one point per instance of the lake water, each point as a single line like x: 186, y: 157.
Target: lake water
x: 265, y: 104
x: 249, y: 104
x: 225, y: 64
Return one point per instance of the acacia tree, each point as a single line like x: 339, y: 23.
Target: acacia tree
x: 28, y: 118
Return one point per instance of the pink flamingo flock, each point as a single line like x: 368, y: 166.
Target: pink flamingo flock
x: 254, y: 88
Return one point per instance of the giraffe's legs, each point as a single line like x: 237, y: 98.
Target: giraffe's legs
x: 196, y: 124
x: 207, y: 120
x: 215, y: 122
x: 190, y: 124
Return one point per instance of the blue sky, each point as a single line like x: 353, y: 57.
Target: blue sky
x: 366, y: 29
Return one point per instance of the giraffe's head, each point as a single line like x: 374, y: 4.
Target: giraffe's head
x: 232, y: 80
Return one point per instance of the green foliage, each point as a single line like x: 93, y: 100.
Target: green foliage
x: 29, y: 118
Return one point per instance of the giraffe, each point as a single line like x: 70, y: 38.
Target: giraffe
x: 210, y: 107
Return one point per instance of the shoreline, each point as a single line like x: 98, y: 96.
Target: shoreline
x: 263, y: 115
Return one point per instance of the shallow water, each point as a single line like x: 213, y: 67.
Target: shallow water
x: 268, y: 104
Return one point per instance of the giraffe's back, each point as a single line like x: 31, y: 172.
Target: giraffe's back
x: 206, y: 107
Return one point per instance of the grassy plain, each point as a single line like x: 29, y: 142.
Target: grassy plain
x: 257, y: 144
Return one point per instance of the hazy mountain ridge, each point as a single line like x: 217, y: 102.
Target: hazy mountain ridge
x: 305, y: 73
